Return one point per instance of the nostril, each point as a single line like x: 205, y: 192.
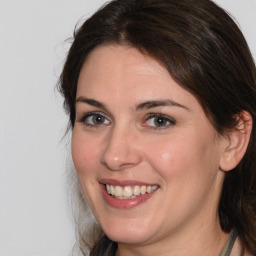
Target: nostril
x: 119, y: 152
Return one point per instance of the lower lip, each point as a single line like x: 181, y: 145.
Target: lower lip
x: 125, y: 203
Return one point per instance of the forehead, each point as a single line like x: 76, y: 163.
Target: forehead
x: 121, y: 69
x: 120, y: 61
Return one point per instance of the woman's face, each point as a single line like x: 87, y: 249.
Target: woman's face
x: 147, y: 140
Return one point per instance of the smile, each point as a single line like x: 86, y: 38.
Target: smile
x: 129, y: 192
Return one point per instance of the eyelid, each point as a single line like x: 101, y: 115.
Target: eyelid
x: 169, y: 119
x: 89, y: 114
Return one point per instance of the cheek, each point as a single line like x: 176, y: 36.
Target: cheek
x: 188, y: 173
x: 169, y: 157
x: 183, y: 156
x: 85, y: 158
x: 84, y: 154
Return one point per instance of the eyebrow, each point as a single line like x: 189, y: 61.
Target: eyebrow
x: 144, y: 105
x: 159, y: 103
x: 91, y: 102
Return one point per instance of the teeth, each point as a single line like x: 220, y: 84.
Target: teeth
x: 128, y: 192
x: 136, y: 190
x: 143, y: 190
x: 118, y: 191
x: 149, y: 189
x: 112, y: 190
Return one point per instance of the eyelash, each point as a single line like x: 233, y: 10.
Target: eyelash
x: 84, y: 119
x: 165, y: 119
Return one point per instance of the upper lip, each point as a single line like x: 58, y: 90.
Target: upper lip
x: 123, y: 183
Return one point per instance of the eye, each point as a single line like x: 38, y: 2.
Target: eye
x: 159, y: 121
x: 94, y: 119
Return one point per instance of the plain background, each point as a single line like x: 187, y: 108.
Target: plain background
x: 34, y: 217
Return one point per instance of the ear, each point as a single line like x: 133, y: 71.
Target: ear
x: 237, y: 142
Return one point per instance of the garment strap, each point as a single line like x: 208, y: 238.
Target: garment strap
x: 229, y: 244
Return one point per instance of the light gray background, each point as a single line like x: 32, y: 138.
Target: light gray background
x: 34, y: 219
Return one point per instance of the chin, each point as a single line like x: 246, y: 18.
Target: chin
x: 128, y: 238
x: 128, y: 232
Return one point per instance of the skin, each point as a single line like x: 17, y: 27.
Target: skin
x: 182, y: 157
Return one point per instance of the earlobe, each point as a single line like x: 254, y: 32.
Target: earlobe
x: 238, y: 140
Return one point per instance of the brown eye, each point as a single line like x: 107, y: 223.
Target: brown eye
x: 94, y: 119
x: 159, y: 121
x: 98, y: 119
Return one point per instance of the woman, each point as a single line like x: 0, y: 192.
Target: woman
x: 161, y: 96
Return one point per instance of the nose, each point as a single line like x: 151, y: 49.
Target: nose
x: 121, y: 150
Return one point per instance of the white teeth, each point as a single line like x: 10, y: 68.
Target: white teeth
x: 154, y: 187
x: 128, y: 192
x: 136, y: 190
x: 149, y: 189
x: 108, y: 188
x: 143, y: 190
x: 118, y: 191
x: 112, y: 190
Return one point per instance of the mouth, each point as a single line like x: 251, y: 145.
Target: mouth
x: 129, y: 192
x: 126, y: 194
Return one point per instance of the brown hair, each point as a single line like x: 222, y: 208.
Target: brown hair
x: 205, y: 52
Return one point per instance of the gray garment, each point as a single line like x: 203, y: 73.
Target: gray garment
x: 229, y: 244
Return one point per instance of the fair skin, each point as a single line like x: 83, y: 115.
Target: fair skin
x: 136, y: 126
